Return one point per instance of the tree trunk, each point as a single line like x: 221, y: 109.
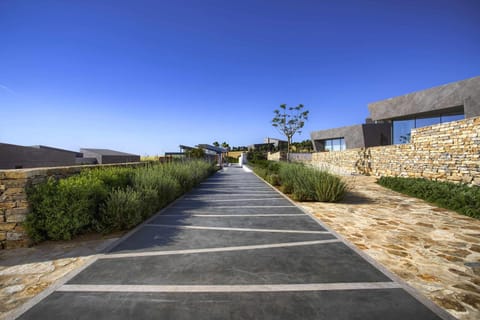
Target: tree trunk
x: 289, y: 139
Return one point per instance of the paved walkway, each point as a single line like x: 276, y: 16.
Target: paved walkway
x: 233, y: 248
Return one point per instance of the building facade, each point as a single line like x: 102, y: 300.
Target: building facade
x: 17, y: 157
x: 393, y: 119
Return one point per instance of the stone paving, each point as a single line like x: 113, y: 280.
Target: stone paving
x: 25, y: 272
x: 233, y: 248
x: 436, y: 251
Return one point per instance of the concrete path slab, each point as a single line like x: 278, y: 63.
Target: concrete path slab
x: 295, y: 222
x: 233, y: 248
x: 171, y: 238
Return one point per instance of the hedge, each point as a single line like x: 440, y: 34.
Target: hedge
x: 107, y: 199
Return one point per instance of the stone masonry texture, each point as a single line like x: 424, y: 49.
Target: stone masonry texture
x: 444, y: 152
x: 14, y: 205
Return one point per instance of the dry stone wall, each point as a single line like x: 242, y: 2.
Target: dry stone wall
x: 445, y: 152
x: 14, y: 205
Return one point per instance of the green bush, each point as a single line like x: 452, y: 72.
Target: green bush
x: 112, y: 177
x: 121, y: 210
x: 108, y: 198
x: 157, y: 185
x: 458, y: 197
x: 64, y: 208
x: 328, y: 187
x: 302, y: 182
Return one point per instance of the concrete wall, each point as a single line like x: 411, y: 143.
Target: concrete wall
x: 14, y: 156
x: 462, y: 93
x: 13, y: 198
x: 110, y: 156
x: 356, y: 136
x: 445, y: 152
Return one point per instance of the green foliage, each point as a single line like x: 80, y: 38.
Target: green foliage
x: 121, y: 210
x: 458, y: 197
x: 255, y: 156
x: 303, y: 183
x: 289, y: 121
x: 64, y: 208
x: 112, y: 177
x: 106, y: 199
x: 195, y: 153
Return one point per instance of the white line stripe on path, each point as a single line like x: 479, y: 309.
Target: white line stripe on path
x: 235, y: 229
x: 230, y: 288
x: 224, y: 249
x: 209, y: 195
x: 230, y: 200
x: 233, y: 207
x: 234, y: 215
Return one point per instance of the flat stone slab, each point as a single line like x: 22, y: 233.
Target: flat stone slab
x: 298, y: 222
x: 392, y: 304
x: 319, y: 263
x: 172, y: 238
x: 203, y: 204
x: 252, y: 209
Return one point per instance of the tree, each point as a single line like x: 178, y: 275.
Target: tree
x: 225, y: 145
x: 289, y: 121
x: 195, y: 153
x: 216, y: 144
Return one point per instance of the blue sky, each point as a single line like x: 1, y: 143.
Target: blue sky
x: 145, y: 76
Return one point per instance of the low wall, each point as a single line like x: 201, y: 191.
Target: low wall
x: 445, y: 152
x: 13, y: 198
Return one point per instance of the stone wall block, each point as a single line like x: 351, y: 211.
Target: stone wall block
x: 448, y: 151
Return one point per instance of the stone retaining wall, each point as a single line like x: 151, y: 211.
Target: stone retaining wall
x: 445, y: 152
x: 13, y: 198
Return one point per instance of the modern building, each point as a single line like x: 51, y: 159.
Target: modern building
x: 450, y: 102
x: 392, y: 120
x: 269, y: 144
x: 106, y: 156
x: 212, y: 153
x: 17, y: 157
x: 357, y: 136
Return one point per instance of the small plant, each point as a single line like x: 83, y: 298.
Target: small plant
x: 302, y: 182
x: 458, y: 197
x: 64, y: 208
x: 122, y: 210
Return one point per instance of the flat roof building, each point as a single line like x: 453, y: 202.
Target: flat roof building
x: 105, y: 156
x: 17, y: 157
x: 393, y: 119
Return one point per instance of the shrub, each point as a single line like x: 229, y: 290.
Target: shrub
x: 309, y: 184
x: 328, y: 187
x: 458, y: 197
x: 65, y: 208
x: 121, y: 210
x: 107, y: 198
x: 157, y: 186
x: 113, y: 177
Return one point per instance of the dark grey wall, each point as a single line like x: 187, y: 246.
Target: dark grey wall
x: 353, y: 136
x: 14, y: 156
x: 379, y: 134
x: 119, y: 159
x: 358, y: 136
x: 466, y: 93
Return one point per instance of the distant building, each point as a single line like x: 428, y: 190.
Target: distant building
x: 17, y: 157
x: 269, y: 144
x: 105, y: 156
x: 212, y: 153
x: 393, y: 119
